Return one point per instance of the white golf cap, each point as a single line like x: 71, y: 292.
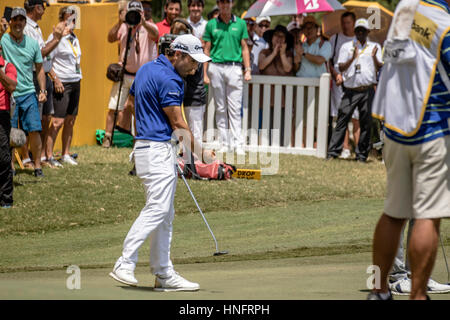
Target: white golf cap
x: 362, y: 23
x: 261, y: 19
x: 191, y: 45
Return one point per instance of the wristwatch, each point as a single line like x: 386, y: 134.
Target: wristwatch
x: 248, y: 69
x: 43, y: 91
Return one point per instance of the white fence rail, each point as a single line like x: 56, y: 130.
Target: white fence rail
x: 281, y: 114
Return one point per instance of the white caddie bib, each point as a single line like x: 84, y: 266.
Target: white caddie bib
x: 405, y: 85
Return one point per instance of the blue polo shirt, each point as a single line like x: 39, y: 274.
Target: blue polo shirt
x: 157, y: 85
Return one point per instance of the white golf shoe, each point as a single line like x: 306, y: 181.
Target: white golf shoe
x: 175, y: 282
x: 436, y: 287
x: 124, y: 276
x: 402, y: 287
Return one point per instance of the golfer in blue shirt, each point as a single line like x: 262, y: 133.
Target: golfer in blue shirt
x: 156, y: 97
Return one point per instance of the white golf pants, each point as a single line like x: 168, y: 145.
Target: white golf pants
x: 227, y: 82
x: 155, y: 165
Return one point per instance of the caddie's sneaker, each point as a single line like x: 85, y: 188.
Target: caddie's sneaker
x: 401, y: 287
x: 68, y: 159
x: 124, y: 276
x: 379, y: 296
x: 436, y: 287
x: 175, y: 282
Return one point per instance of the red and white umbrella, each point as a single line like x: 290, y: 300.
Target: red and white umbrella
x: 290, y: 7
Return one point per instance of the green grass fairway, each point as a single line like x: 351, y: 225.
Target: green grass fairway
x: 303, y: 233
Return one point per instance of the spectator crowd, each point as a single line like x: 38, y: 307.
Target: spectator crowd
x: 40, y: 79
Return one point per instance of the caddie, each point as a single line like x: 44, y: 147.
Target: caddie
x: 156, y: 97
x: 413, y: 99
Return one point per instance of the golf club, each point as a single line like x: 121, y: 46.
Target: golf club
x: 217, y: 253
x: 445, y: 259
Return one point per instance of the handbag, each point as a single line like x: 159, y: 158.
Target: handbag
x: 114, y: 72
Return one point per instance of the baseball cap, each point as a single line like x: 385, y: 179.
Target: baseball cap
x: 18, y: 11
x: 32, y: 3
x: 261, y: 19
x: 362, y: 23
x: 135, y: 6
x: 292, y: 25
x: 191, y: 45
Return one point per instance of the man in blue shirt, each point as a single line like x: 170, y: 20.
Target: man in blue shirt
x: 156, y: 97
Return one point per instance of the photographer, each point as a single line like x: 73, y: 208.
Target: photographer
x: 8, y: 83
x: 156, y: 97
x: 143, y: 49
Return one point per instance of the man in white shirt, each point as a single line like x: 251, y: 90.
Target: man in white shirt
x: 195, y: 18
x: 35, y: 10
x: 348, y: 20
x: 359, y: 62
x: 262, y: 25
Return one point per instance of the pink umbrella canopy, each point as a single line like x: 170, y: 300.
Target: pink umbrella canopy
x: 287, y: 7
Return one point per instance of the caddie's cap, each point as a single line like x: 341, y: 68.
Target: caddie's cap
x: 191, y: 45
x: 18, y: 11
x: 261, y: 19
x: 135, y: 6
x: 362, y: 23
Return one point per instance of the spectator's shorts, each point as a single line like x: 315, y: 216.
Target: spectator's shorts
x: 418, y: 179
x: 46, y: 108
x: 127, y: 82
x: 26, y: 114
x: 66, y: 103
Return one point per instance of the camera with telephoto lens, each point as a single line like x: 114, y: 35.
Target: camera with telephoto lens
x: 133, y: 16
x: 164, y: 44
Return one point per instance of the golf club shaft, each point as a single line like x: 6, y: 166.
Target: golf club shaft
x: 198, y: 207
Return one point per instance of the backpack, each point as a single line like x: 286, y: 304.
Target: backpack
x: 216, y: 170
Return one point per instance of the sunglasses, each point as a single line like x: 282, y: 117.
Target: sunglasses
x: 264, y: 25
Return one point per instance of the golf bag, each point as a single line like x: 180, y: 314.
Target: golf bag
x: 207, y: 171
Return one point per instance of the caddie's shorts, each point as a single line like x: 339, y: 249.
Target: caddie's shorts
x: 26, y: 114
x: 418, y: 179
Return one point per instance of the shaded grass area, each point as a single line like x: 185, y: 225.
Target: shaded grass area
x: 300, y: 229
x: 99, y: 191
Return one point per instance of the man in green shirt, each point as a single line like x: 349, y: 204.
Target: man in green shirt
x: 24, y: 52
x: 226, y: 43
